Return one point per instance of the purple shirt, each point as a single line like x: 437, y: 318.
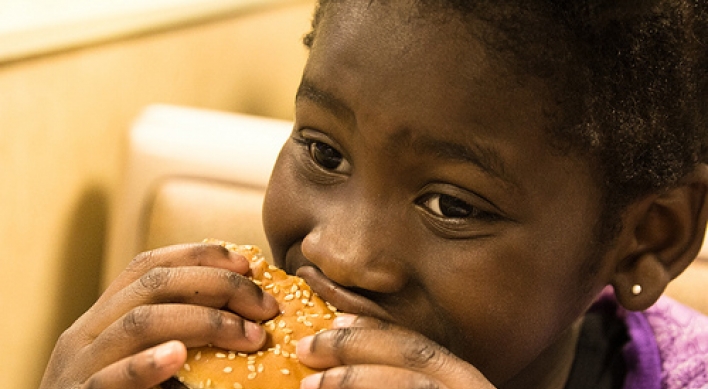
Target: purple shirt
x: 668, y: 347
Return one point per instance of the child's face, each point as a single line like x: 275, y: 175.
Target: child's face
x: 419, y: 183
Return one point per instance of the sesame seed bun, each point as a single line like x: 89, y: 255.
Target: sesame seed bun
x: 275, y: 366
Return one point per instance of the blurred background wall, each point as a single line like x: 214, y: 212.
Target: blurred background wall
x: 64, y: 114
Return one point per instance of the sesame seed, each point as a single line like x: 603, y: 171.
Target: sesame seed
x: 232, y: 356
x: 269, y: 286
x: 306, y: 293
x: 228, y: 369
x: 252, y: 375
x: 257, y: 282
x: 267, y: 275
x: 220, y: 355
x: 285, y: 371
x: 276, y: 289
x: 294, y: 288
x: 242, y: 355
x: 198, y: 356
x: 289, y: 297
x: 251, y: 368
x: 260, y: 368
x: 187, y: 367
x: 286, y: 354
x: 287, y: 339
x: 327, y: 316
x: 238, y: 385
x: 281, y: 324
x: 306, y: 302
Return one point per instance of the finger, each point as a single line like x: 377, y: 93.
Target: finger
x: 193, y: 325
x: 141, y: 371
x: 368, y: 377
x: 148, y: 325
x: 392, y: 346
x: 210, y: 287
x: 344, y: 346
x: 348, y: 320
x: 194, y: 254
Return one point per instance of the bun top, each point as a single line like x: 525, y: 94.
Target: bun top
x: 275, y: 366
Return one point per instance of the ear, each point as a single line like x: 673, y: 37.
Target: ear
x: 668, y: 230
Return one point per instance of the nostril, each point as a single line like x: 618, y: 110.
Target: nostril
x: 329, y: 256
x: 355, y: 266
x: 358, y: 249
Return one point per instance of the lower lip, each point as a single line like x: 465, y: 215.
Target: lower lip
x: 338, y: 296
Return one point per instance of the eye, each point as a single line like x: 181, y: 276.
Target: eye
x: 453, y: 208
x: 320, y: 154
x: 448, y: 206
x: 325, y: 155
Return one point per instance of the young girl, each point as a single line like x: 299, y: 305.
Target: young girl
x: 497, y: 191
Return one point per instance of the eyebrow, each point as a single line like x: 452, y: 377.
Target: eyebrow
x: 338, y: 107
x: 486, y: 158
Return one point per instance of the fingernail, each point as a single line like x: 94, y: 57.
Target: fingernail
x: 164, y: 354
x: 343, y: 320
x: 254, y: 332
x: 304, y: 346
x: 311, y: 381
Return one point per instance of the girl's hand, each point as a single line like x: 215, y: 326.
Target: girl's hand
x: 195, y: 294
x: 362, y: 352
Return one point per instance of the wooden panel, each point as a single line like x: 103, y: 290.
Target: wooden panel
x: 63, y: 120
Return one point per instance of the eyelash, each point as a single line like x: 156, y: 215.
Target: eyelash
x: 308, y: 144
x: 475, y: 213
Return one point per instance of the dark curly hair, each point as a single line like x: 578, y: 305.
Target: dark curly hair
x: 630, y: 77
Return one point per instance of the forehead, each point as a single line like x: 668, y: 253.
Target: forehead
x: 430, y: 67
x: 395, y: 37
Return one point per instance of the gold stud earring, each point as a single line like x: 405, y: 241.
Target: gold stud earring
x: 636, y: 289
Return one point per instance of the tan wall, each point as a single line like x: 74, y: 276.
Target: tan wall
x: 63, y: 121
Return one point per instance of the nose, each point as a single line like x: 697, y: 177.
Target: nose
x: 358, y: 248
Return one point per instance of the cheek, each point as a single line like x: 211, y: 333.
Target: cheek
x: 285, y: 209
x: 508, y: 302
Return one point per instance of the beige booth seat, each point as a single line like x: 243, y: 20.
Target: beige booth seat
x: 196, y: 174
x: 192, y: 174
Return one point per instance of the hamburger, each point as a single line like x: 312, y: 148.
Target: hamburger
x: 275, y: 366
